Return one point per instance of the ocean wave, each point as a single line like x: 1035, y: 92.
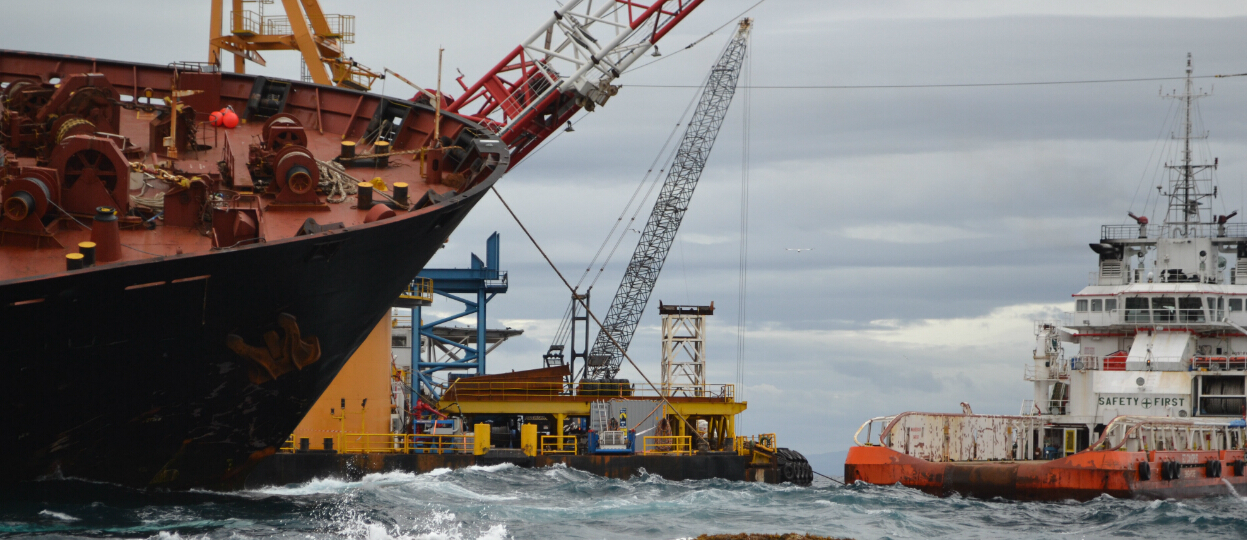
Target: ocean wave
x: 497, y: 502
x: 58, y: 515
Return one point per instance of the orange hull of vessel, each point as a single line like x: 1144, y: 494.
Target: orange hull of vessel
x: 1082, y: 476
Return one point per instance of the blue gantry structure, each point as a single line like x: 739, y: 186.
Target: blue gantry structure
x: 474, y: 287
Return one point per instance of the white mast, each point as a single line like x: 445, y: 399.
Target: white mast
x: 1185, y: 193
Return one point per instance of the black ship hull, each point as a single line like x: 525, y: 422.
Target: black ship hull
x: 138, y: 373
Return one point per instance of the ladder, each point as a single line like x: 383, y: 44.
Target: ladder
x: 603, y: 415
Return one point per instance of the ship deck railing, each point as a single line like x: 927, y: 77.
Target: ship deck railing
x: 746, y: 443
x: 1056, y: 372
x: 669, y: 445
x: 399, y: 443
x: 559, y: 444
x: 1121, y: 362
x: 468, y: 390
x: 1152, y: 433
x: 1149, y: 317
x: 1161, y: 230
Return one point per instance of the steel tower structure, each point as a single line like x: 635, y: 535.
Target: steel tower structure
x: 664, y: 221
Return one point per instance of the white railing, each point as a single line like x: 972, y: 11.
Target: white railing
x: 1219, y: 362
x: 1145, y: 433
x: 1124, y: 363
x: 1095, y: 278
x: 1058, y: 370
x: 1149, y: 317
x: 941, y: 437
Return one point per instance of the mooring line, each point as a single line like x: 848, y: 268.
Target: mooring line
x: 828, y: 477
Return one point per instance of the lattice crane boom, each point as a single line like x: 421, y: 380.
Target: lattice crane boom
x: 664, y: 221
x: 566, y: 65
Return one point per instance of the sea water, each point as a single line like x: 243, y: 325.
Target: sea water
x: 501, y: 502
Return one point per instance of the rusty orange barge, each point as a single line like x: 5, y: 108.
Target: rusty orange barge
x: 1186, y: 459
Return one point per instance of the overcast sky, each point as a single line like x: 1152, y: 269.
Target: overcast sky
x: 942, y: 220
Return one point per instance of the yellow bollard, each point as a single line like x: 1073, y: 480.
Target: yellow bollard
x: 528, y: 439
x: 480, y: 443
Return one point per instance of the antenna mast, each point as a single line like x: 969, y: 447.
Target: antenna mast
x: 1185, y: 195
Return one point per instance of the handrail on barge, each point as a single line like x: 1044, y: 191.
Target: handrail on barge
x: 1144, y: 433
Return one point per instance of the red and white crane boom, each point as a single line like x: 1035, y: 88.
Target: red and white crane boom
x: 566, y: 65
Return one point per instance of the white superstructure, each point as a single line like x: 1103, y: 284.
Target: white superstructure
x: 1159, y: 330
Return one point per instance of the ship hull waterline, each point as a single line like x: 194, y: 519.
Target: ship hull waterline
x: 299, y: 467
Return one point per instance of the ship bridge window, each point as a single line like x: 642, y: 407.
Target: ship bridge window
x: 1216, y: 308
x: 1110, y: 304
x: 1137, y: 310
x: 1236, y: 304
x: 1190, y: 309
x: 1097, y: 305
x: 1164, y: 309
x: 1080, y: 306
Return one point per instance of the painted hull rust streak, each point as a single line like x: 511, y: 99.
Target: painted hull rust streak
x: 1082, y: 476
x: 284, y: 469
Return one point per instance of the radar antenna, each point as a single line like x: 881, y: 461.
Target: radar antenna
x: 1186, y: 191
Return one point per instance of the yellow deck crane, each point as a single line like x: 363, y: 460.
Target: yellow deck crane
x: 320, y: 38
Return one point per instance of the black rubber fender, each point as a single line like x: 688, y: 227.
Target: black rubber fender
x: 1210, y: 468
x: 1238, y: 467
x: 793, y: 467
x: 1145, y: 471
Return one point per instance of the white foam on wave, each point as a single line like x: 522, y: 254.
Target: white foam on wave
x: 311, y: 487
x: 436, y: 525
x: 58, y: 515
x: 431, y: 481
x: 387, y: 478
x: 491, y: 468
x: 332, y: 485
x: 1233, y: 491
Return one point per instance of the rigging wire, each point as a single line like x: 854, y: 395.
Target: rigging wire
x: 949, y: 85
x: 665, y: 164
x: 1206, y: 156
x: 564, y: 330
x: 700, y: 39
x: 1159, y: 176
x: 743, y: 257
x: 588, y: 312
x: 1148, y: 165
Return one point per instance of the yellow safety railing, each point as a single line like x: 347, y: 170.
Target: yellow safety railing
x: 765, y: 441
x: 246, y: 23
x: 673, y: 445
x: 419, y: 289
x: 288, y: 446
x: 558, y: 444
x: 441, y: 444
x: 540, y: 390
x: 389, y: 443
